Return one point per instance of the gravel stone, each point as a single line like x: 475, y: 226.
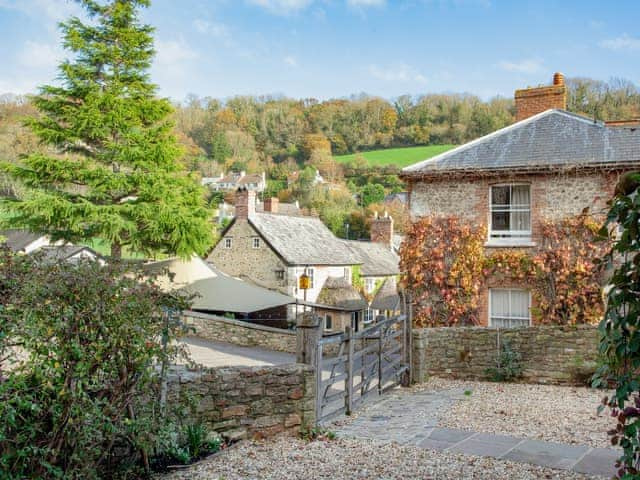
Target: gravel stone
x: 286, y: 458
x: 544, y: 412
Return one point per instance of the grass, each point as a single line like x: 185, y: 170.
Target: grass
x: 400, y: 157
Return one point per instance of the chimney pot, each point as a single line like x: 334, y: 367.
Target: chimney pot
x: 558, y: 78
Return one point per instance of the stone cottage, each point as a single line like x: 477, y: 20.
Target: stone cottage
x: 273, y: 250
x: 549, y: 165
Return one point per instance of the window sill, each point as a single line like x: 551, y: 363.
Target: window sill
x: 503, y: 242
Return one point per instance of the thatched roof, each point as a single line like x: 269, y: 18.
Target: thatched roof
x: 337, y: 292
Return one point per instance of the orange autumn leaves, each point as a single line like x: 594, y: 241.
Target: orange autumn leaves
x: 445, y: 266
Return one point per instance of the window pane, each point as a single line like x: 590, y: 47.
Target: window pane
x: 500, y: 221
x: 500, y: 195
x: 520, y: 195
x: 520, y: 221
x: 519, y: 303
x: 499, y: 303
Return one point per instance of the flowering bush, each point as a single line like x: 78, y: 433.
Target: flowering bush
x: 445, y: 265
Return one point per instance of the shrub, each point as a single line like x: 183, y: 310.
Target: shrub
x: 84, y: 401
x: 508, y: 364
x: 620, y: 328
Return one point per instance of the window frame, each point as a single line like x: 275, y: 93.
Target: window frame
x: 509, y: 235
x: 511, y: 317
x: 255, y: 243
x: 228, y: 243
x: 328, y: 321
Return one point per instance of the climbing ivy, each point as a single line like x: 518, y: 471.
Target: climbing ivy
x: 445, y: 265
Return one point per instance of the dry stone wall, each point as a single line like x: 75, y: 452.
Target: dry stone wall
x: 248, y: 402
x: 220, y: 329
x: 550, y: 354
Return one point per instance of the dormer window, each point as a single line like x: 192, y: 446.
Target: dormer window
x: 510, y: 207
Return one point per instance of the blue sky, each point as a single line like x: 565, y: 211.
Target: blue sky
x: 335, y: 48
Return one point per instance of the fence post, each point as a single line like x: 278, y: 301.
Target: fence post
x: 348, y: 399
x: 308, y: 333
x: 380, y: 362
x: 319, y: 393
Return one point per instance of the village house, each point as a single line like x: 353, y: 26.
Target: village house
x: 23, y: 241
x: 273, y: 250
x: 234, y: 180
x: 549, y: 165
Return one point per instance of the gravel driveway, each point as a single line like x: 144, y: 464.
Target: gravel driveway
x: 544, y: 412
x: 289, y: 459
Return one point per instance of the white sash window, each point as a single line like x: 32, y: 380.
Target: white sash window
x: 510, y: 207
x: 509, y: 308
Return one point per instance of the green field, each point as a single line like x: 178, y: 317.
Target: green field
x: 401, y: 157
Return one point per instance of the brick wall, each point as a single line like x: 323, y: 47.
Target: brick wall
x: 550, y: 354
x: 248, y: 402
x: 219, y: 329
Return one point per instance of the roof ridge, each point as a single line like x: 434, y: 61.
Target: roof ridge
x: 465, y: 146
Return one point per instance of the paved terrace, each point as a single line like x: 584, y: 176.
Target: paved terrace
x: 412, y: 419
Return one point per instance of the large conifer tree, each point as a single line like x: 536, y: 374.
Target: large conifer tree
x: 117, y: 176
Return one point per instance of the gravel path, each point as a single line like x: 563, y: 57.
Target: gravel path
x: 543, y: 412
x: 288, y: 459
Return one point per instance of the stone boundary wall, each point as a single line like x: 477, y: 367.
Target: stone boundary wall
x: 220, y: 329
x: 550, y: 354
x: 248, y: 402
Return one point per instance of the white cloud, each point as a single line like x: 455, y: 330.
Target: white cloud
x: 291, y: 61
x: 366, y: 3
x: 214, y: 29
x: 401, y: 73
x: 623, y: 42
x: 529, y: 65
x: 282, y: 7
x: 172, y: 52
x: 39, y: 55
x: 52, y: 9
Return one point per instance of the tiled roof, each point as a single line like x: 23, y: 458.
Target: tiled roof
x: 303, y: 240
x: 283, y: 208
x: 387, y: 297
x: 554, y: 138
x: 253, y: 178
x: 377, y: 259
x: 18, y: 239
x: 58, y: 253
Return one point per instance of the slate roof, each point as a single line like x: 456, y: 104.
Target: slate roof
x: 56, y: 253
x: 551, y: 139
x: 18, y: 239
x: 387, y: 297
x: 377, y: 259
x: 283, y: 208
x: 303, y: 240
x: 337, y: 292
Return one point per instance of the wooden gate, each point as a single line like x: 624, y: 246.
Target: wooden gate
x: 352, y: 366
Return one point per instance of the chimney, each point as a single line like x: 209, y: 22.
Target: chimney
x: 271, y: 205
x: 531, y: 101
x: 245, y: 203
x: 382, y: 230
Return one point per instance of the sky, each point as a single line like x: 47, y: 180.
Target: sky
x: 336, y: 48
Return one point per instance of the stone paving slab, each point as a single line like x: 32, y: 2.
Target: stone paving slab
x: 599, y: 461
x: 412, y: 419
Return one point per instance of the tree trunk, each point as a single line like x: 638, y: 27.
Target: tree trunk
x: 116, y: 250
